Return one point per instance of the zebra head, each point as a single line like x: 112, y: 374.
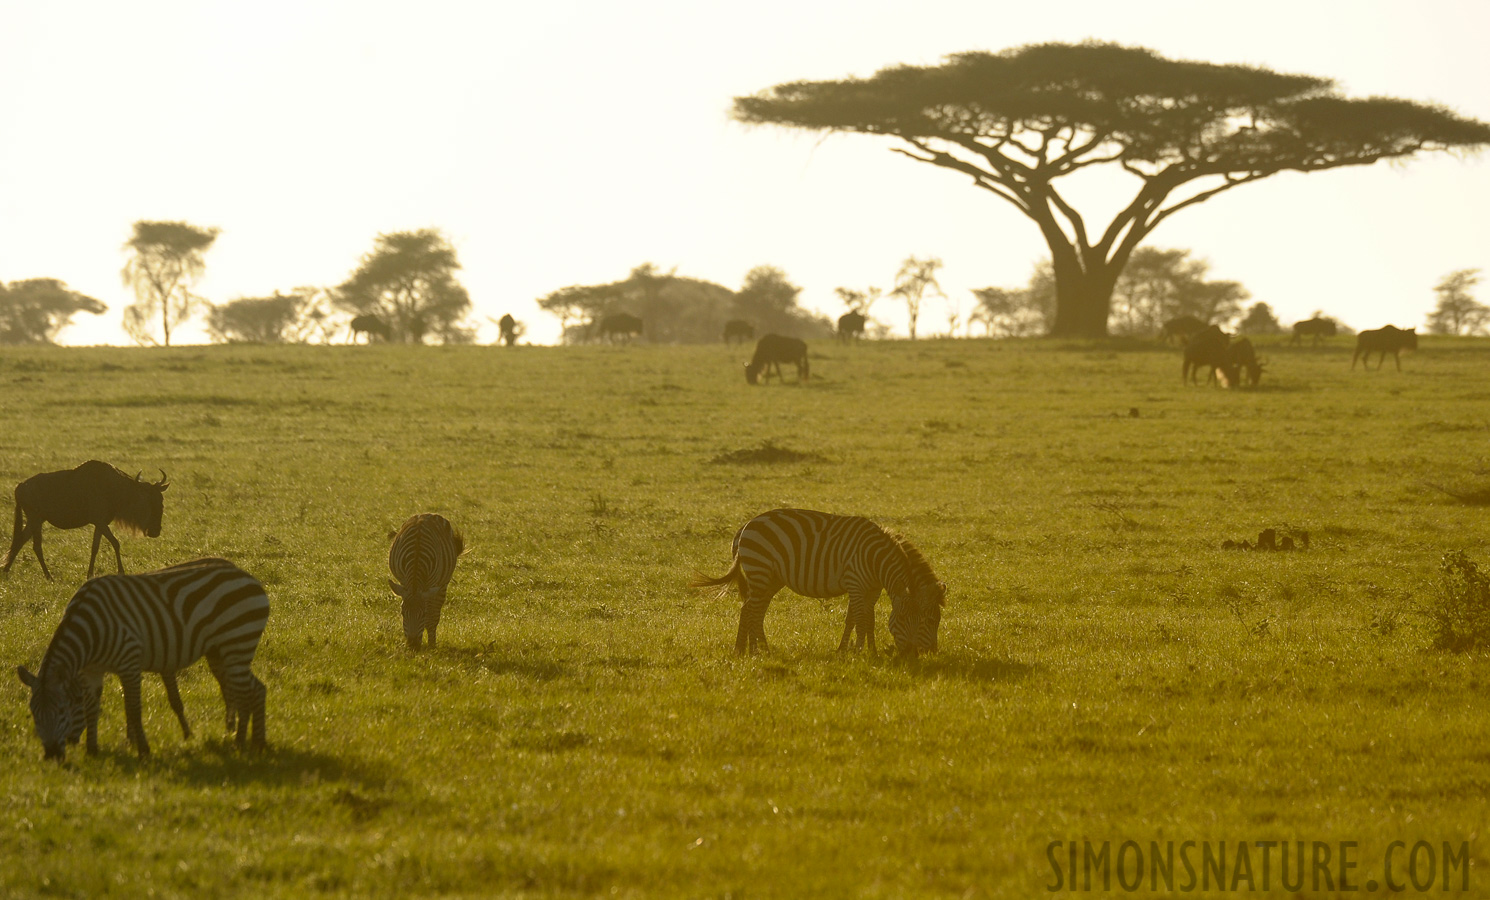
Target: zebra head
x: 929, y: 600
x: 421, y: 612
x: 56, y: 710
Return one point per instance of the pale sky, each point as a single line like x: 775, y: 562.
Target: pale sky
x: 566, y: 142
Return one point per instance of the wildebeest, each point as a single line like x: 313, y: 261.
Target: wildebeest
x: 771, y: 351
x: 1384, y: 340
x: 1242, y: 357
x: 738, y: 331
x: 95, y: 493
x: 507, y: 329
x: 851, y: 325
x: 1181, y: 328
x: 622, y: 325
x: 1209, y: 350
x: 371, y: 326
x: 1316, y: 328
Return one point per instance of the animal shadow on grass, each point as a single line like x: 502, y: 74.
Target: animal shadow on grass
x: 502, y: 661
x: 972, y: 669
x: 766, y: 453
x: 216, y: 761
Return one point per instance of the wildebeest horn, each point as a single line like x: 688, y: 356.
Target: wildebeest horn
x: 164, y: 481
x: 138, y: 474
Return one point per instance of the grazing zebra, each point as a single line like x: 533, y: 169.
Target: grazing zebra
x: 422, y: 559
x: 161, y: 621
x: 821, y: 555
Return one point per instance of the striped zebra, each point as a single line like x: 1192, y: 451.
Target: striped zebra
x: 821, y: 555
x: 422, y: 559
x: 161, y: 621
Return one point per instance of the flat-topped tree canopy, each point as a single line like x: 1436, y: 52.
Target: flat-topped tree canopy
x: 1017, y: 120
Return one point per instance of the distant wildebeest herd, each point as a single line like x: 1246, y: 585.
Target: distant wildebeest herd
x: 1233, y: 362
x: 165, y: 620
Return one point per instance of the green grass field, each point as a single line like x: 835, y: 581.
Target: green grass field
x: 1107, y: 672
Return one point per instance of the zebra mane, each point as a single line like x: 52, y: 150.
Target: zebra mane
x: 918, y: 568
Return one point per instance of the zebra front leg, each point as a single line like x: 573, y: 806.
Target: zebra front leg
x: 173, y: 694
x: 133, y: 723
x: 432, y: 617
x: 850, y: 622
x: 92, y: 714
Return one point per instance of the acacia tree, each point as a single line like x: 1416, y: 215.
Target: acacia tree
x: 35, y: 310
x: 1260, y: 319
x: 1160, y: 284
x: 408, y: 281
x: 1458, y: 312
x: 1016, y: 122
x: 278, y: 319
x: 769, y: 299
x: 914, y: 282
x: 166, y: 260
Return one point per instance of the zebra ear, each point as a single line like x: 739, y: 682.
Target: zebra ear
x: 27, y: 678
x: 396, y: 588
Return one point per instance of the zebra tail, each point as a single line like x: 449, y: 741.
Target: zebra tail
x: 721, y: 585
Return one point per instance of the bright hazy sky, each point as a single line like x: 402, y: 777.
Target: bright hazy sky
x: 568, y: 141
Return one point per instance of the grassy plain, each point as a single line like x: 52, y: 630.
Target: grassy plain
x: 1107, y: 671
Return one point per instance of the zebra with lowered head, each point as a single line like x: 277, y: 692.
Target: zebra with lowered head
x: 822, y: 555
x: 161, y: 621
x: 422, y: 559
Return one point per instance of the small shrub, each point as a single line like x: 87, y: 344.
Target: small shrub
x: 1461, y: 613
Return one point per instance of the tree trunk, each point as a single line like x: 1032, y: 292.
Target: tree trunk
x: 1083, y: 300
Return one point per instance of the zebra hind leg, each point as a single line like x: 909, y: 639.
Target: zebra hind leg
x: 256, y: 714
x: 173, y: 695
x: 230, y: 712
x: 751, y: 637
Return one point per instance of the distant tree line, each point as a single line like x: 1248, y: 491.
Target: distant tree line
x: 408, y: 285
x: 676, y: 309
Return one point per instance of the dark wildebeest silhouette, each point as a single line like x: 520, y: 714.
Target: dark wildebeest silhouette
x: 94, y: 493
x: 507, y: 329
x: 1209, y: 350
x: 1242, y: 357
x: 770, y: 352
x: 371, y: 326
x: 1181, y: 328
x: 1384, y: 340
x: 851, y: 325
x: 738, y: 331
x: 623, y: 325
x: 1316, y: 328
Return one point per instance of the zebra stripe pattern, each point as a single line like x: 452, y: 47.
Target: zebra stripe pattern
x: 822, y: 555
x: 422, y: 559
x: 161, y: 621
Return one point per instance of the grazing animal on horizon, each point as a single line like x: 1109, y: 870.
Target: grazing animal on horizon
x: 161, y: 621
x: 851, y: 325
x: 1182, y: 329
x: 1384, y: 340
x: 619, y: 325
x: 1317, y: 329
x: 95, y: 493
x: 1209, y: 350
x: 738, y: 331
x: 507, y: 329
x: 770, y: 352
x: 422, y: 559
x: 821, y: 555
x: 371, y: 326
